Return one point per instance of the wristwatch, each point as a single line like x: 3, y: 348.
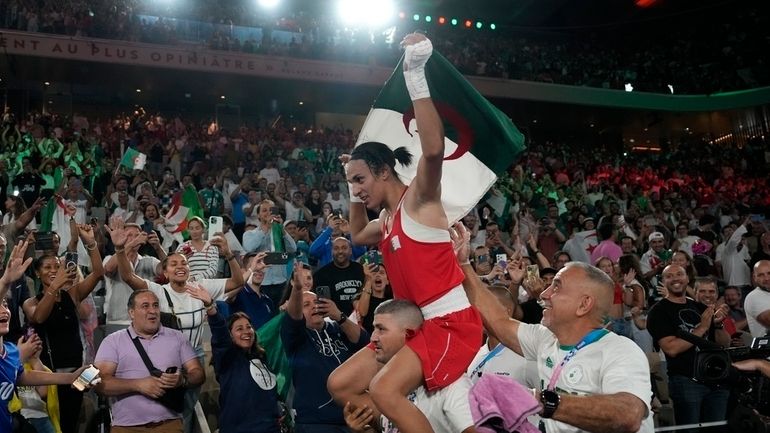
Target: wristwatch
x: 343, y: 319
x: 550, y: 400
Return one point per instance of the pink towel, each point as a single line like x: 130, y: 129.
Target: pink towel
x: 500, y: 404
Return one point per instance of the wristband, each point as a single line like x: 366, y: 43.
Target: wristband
x: 230, y: 257
x: 91, y: 247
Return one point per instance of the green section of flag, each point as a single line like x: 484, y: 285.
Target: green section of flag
x: 269, y: 336
x: 191, y: 201
x: 496, y: 141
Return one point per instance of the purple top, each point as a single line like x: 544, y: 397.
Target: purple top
x: 167, y: 348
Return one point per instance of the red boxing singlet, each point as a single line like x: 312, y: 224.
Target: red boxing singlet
x: 420, y: 272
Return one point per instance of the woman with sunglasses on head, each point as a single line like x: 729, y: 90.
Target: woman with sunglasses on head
x: 246, y: 384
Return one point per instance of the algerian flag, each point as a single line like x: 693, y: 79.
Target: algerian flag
x: 133, y: 159
x: 184, y: 205
x: 481, y: 141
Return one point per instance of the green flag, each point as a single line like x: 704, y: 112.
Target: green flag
x: 481, y: 141
x: 269, y: 336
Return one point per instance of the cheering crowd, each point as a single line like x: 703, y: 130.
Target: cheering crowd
x: 582, y: 270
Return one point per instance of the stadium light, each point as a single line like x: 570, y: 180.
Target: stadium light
x: 493, y: 26
x: 441, y: 20
x: 416, y: 17
x: 268, y: 4
x: 428, y: 18
x: 454, y: 21
x: 367, y: 13
x: 402, y: 15
x: 479, y: 25
x: 468, y: 23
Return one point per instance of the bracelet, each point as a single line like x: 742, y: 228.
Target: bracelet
x: 537, y: 252
x: 368, y: 292
x: 467, y: 262
x: 120, y: 250
x: 50, y: 293
x: 230, y: 257
x: 210, y: 306
x: 91, y: 247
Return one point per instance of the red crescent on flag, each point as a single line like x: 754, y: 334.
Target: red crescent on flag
x: 454, y: 118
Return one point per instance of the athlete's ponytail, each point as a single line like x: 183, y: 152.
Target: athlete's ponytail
x: 378, y: 156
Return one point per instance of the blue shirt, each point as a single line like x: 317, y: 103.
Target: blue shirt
x: 321, y: 248
x: 248, y: 397
x: 256, y: 240
x: 10, y: 371
x: 313, y: 355
x: 258, y: 306
x: 238, y: 216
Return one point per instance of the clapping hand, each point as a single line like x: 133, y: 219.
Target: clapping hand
x: 17, y: 264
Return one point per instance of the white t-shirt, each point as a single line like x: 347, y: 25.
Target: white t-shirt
x: 253, y: 217
x: 506, y: 363
x: 735, y: 271
x: 117, y: 292
x: 188, y: 310
x: 610, y: 365
x: 271, y: 174
x: 447, y: 410
x: 757, y: 302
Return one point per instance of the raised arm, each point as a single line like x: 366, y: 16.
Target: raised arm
x: 236, y: 281
x: 118, y: 235
x: 294, y: 304
x: 81, y: 290
x: 496, y: 319
x: 15, y: 268
x: 427, y: 181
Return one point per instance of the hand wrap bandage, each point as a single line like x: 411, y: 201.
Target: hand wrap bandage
x: 415, y: 58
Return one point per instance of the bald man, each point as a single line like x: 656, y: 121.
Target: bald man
x: 693, y: 402
x: 591, y: 379
x: 345, y: 278
x: 757, y: 303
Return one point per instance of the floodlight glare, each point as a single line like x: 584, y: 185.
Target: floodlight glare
x: 367, y: 13
x: 416, y: 17
x: 479, y: 25
x: 493, y: 26
x: 441, y: 20
x: 428, y: 18
x: 268, y: 4
x: 454, y: 21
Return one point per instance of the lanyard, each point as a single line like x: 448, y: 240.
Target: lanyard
x: 489, y: 356
x: 592, y: 337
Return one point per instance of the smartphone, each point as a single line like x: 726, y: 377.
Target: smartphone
x: 171, y: 370
x: 533, y: 271
x: 88, y: 377
x: 323, y: 292
x: 275, y: 211
x: 46, y: 193
x: 215, y: 226
x: 502, y: 260
x: 758, y: 218
x: 481, y: 258
x: 278, y: 258
x: 374, y: 257
x: 44, y: 241
x: 28, y: 333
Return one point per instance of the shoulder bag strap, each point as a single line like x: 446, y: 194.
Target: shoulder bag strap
x: 142, y: 353
x: 168, y: 299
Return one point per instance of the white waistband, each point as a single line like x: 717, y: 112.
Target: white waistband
x: 453, y: 300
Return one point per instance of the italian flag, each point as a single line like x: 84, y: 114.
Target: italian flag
x: 481, y: 141
x: 184, y: 205
x: 133, y: 159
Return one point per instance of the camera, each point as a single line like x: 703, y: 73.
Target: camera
x: 714, y: 367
